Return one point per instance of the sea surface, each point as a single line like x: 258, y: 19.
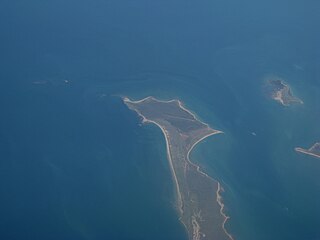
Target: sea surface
x: 75, y: 163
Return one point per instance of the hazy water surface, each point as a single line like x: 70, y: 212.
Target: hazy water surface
x: 75, y: 163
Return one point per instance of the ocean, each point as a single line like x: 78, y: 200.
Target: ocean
x: 76, y: 163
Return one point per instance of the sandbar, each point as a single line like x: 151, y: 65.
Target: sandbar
x: 313, y: 151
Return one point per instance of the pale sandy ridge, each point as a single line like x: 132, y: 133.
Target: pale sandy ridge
x: 226, y: 218
x: 278, y: 97
x: 180, y: 203
x: 305, y: 151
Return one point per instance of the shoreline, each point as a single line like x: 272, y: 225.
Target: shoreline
x: 226, y: 217
x: 145, y: 120
x: 306, y: 151
x: 279, y: 96
x: 214, y: 132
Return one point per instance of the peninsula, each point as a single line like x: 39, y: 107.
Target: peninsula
x: 198, y: 196
x: 313, y: 151
x: 282, y: 93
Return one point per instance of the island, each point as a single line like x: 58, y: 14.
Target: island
x: 198, y: 196
x: 281, y: 92
x: 313, y: 151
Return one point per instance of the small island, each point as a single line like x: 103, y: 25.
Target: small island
x: 281, y: 92
x: 198, y: 196
x: 313, y: 151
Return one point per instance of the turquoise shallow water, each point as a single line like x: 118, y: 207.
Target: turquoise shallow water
x: 75, y: 163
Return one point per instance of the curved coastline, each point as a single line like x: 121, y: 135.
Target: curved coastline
x: 218, y: 192
x: 196, y: 227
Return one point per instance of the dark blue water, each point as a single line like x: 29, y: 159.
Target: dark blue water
x: 76, y: 164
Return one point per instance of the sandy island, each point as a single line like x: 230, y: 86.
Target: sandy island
x: 199, y: 198
x: 281, y: 92
x: 313, y: 151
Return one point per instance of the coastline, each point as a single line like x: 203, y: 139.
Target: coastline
x: 284, y: 95
x: 180, y: 201
x: 219, y: 198
x: 226, y: 218
x: 306, y: 151
x: 145, y: 120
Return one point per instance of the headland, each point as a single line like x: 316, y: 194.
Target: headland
x: 199, y: 198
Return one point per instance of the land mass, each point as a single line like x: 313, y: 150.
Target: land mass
x: 313, y: 151
x: 281, y: 92
x: 199, y: 199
